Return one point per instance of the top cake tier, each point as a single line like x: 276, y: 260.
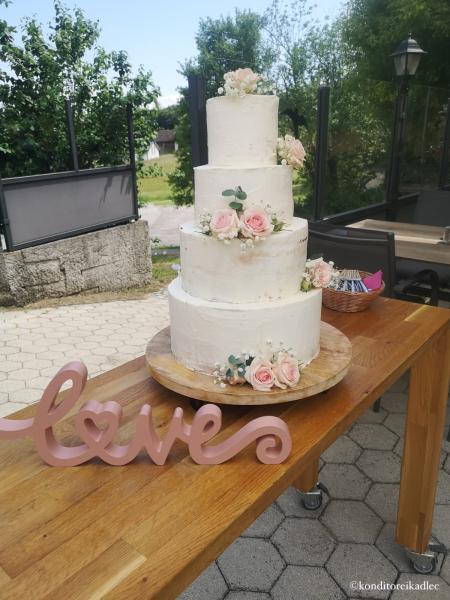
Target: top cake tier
x: 242, y: 131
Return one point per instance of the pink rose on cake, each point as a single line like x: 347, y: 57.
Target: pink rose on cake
x: 320, y: 272
x: 224, y: 224
x: 259, y: 375
x: 256, y: 223
x: 291, y: 151
x: 286, y: 371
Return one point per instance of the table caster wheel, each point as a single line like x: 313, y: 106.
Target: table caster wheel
x: 312, y: 500
x: 425, y: 563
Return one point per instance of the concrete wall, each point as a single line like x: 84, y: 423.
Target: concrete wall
x: 106, y: 260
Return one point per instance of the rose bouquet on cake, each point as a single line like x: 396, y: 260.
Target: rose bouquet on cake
x: 282, y: 370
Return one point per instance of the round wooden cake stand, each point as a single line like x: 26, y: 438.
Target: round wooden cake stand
x: 325, y: 371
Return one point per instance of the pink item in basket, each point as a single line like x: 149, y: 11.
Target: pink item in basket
x: 373, y: 282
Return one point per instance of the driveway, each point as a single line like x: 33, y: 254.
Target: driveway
x: 164, y: 221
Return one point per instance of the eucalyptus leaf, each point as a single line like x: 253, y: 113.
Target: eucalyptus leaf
x: 229, y: 373
x: 236, y: 205
x: 241, y: 195
x: 233, y: 360
x: 228, y: 193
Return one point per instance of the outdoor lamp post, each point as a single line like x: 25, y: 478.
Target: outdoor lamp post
x: 406, y: 57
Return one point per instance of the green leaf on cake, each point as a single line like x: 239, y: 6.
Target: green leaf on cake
x: 233, y: 360
x: 228, y: 193
x: 240, y: 195
x: 236, y: 206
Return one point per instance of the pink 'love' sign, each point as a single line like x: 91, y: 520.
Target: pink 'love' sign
x: 97, y: 423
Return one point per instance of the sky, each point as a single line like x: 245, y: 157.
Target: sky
x: 156, y: 33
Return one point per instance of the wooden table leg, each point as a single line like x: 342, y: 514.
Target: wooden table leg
x: 309, y: 478
x: 425, y: 419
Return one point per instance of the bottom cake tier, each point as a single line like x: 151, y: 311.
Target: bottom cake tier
x: 204, y: 333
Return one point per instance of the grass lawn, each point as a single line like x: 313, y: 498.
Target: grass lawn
x: 162, y: 268
x: 156, y: 189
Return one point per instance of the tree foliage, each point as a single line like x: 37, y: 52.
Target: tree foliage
x: 67, y: 62
x: 223, y: 44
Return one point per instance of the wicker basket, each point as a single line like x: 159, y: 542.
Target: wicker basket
x: 350, y: 301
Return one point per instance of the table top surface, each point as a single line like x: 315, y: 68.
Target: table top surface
x: 414, y: 241
x: 146, y: 531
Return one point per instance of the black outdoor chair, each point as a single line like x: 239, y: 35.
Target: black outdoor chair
x: 362, y: 249
x: 432, y: 208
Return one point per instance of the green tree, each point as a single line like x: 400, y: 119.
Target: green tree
x: 373, y: 29
x: 223, y: 44
x: 40, y: 72
x: 167, y: 117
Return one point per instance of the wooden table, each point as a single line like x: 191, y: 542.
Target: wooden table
x: 418, y: 242
x: 144, y: 531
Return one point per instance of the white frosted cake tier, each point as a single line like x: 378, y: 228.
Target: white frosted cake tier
x: 269, y: 185
x: 271, y: 270
x: 242, y: 130
x: 204, y: 333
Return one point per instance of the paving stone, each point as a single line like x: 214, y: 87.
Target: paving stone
x: 383, y: 499
x: 7, y: 408
x: 395, y: 402
x: 37, y: 363
x: 442, y: 592
x: 361, y: 562
x: 291, y: 504
x: 443, y: 488
x: 3, y: 397
x: 396, y: 423
x: 306, y: 583
x: 252, y: 564
x: 11, y: 385
x: 398, y: 448
x: 351, y: 521
x: 24, y: 374
x: 344, y: 450
x: 445, y: 571
x: 7, y: 366
x: 303, y: 542
x: 373, y: 436
x: 447, y: 464
x: 344, y: 481
x: 380, y: 465
x: 266, y: 523
x: 370, y: 416
x: 247, y: 596
x: 10, y: 350
x: 393, y: 551
x: 210, y: 585
x: 441, y: 523
x: 25, y: 396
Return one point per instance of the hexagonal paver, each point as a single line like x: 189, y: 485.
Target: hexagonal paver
x: 290, y: 503
x: 210, y: 585
x: 344, y: 450
x: 398, y: 448
x: 344, y: 481
x: 447, y: 464
x: 23, y: 374
x: 7, y: 366
x: 445, y: 571
x: 371, y: 416
x: 396, y: 423
x: 373, y: 436
x: 251, y: 563
x: 353, y: 563
x: 266, y: 523
x: 441, y: 592
x: 11, y: 385
x: 380, y: 465
x: 351, y: 521
x: 383, y: 499
x: 393, y: 551
x: 247, y: 596
x: 26, y: 396
x: 308, y: 583
x: 395, y: 402
x: 443, y: 488
x: 8, y: 408
x: 303, y: 542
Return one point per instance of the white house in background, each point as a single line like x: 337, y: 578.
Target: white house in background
x: 152, y: 152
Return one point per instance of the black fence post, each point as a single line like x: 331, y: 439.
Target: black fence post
x: 71, y: 133
x: 197, y: 116
x: 445, y: 158
x: 320, y: 160
x: 132, y: 152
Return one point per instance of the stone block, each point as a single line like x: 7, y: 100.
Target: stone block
x: 308, y: 583
x: 373, y: 436
x: 105, y: 260
x: 440, y: 592
x: 351, y: 521
x: 266, y: 523
x: 380, y: 465
x: 344, y: 450
x: 344, y: 481
x: 383, y: 499
x: 210, y: 585
x: 303, y: 542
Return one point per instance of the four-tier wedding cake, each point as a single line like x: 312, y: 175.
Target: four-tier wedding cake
x: 238, y: 293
